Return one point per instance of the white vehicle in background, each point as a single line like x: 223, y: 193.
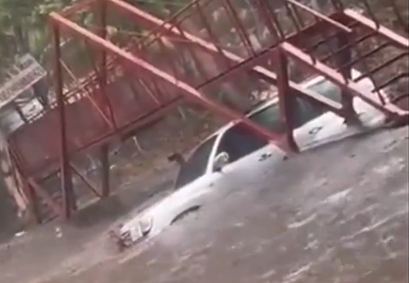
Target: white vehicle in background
x: 233, y: 154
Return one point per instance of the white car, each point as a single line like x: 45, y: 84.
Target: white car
x: 233, y: 154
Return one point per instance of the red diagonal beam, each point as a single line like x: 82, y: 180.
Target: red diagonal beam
x: 160, y: 26
x: 383, y: 31
x: 142, y: 65
x: 350, y: 87
x: 169, y: 30
x: 271, y: 77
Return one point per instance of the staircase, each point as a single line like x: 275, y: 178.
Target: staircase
x: 274, y: 49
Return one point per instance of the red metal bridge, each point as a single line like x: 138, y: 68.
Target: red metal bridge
x: 152, y: 65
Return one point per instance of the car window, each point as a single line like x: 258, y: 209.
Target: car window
x: 239, y: 141
x: 304, y: 111
x: 269, y: 118
x: 195, y: 166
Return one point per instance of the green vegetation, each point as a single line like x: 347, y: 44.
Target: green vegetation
x: 23, y: 24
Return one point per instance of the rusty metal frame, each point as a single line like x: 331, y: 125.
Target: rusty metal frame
x: 59, y: 23
x: 66, y: 176
x: 238, y: 63
x: 287, y: 47
x: 383, y: 31
x: 139, y: 64
x: 334, y: 20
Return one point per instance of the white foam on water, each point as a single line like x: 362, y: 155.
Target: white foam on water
x: 303, y: 222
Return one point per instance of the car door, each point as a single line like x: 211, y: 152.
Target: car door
x: 250, y: 157
x: 318, y: 127
x: 194, y: 185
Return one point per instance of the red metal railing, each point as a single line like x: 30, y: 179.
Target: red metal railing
x: 328, y: 44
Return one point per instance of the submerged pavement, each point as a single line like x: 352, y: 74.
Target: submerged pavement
x: 334, y: 214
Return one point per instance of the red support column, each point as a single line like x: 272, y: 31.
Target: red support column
x: 65, y: 173
x: 33, y: 201
x: 104, y: 150
x: 105, y: 170
x: 342, y: 59
x: 286, y: 99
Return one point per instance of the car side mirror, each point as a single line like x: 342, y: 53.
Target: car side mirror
x: 221, y: 160
x: 176, y: 157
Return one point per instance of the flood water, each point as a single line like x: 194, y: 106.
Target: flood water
x: 334, y: 214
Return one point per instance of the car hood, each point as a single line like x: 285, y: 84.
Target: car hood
x: 163, y: 212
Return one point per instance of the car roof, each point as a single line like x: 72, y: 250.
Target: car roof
x: 258, y: 107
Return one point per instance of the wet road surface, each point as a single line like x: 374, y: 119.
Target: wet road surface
x: 334, y: 214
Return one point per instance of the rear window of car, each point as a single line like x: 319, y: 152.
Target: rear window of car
x: 305, y: 111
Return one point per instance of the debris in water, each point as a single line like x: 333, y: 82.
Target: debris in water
x: 337, y: 197
x: 58, y: 232
x: 298, y: 224
x: 19, y: 234
x: 297, y: 275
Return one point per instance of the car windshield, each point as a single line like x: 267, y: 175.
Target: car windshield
x: 195, y: 166
x: 239, y: 141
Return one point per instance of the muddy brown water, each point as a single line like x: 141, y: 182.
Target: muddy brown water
x: 334, y: 214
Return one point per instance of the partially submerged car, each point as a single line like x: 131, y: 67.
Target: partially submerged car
x: 233, y: 154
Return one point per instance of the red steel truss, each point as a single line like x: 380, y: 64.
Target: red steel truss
x: 92, y: 113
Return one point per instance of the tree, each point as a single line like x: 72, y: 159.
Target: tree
x: 23, y: 26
